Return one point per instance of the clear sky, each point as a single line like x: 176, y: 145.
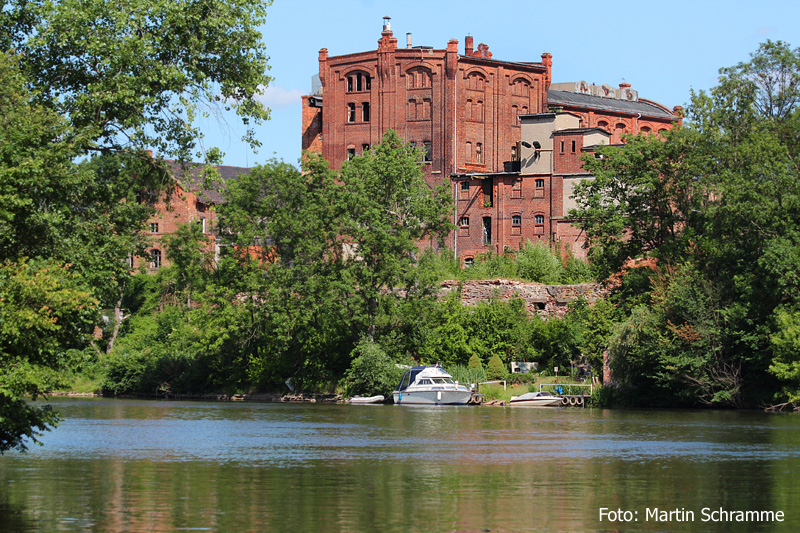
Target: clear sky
x: 663, y: 49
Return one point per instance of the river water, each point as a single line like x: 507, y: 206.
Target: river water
x: 125, y: 465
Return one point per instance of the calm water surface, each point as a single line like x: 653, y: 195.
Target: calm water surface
x: 123, y: 465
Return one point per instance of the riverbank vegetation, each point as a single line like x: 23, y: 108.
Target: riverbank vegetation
x: 701, y: 230
x: 82, y: 103
x: 319, y: 273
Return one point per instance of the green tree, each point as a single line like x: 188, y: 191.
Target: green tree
x: 145, y: 75
x: 47, y: 314
x: 82, y: 102
x: 389, y: 210
x: 495, y: 368
x: 371, y: 372
x: 475, y: 362
x: 712, y: 209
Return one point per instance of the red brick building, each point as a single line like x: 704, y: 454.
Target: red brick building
x: 190, y: 202
x: 469, y: 111
x: 461, y: 108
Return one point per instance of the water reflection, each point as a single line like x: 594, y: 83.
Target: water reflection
x: 118, y: 465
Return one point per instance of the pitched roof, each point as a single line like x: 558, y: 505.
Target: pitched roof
x: 646, y: 108
x: 190, y: 175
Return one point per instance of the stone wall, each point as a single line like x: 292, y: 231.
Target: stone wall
x: 543, y: 300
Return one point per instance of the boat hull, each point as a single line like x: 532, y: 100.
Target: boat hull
x: 536, y: 402
x: 370, y: 400
x: 432, y: 397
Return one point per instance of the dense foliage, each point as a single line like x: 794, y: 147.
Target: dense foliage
x: 82, y: 104
x: 320, y: 275
x: 702, y: 227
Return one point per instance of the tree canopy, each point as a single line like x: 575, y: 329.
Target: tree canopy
x: 91, y: 87
x: 712, y: 210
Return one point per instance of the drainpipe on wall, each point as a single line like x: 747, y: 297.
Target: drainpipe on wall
x: 455, y: 158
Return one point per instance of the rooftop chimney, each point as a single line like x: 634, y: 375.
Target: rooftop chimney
x: 408, y: 40
x: 468, y: 45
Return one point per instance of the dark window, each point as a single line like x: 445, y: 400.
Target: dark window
x: 516, y: 220
x: 364, y: 148
x: 539, y: 219
x: 573, y: 146
x: 469, y: 261
x: 351, y: 112
x: 562, y: 147
x: 358, y: 83
x: 428, y: 154
x: 479, y: 153
x: 487, y: 231
x: 155, y: 258
x: 202, y: 223
x: 365, y: 111
x: 488, y: 200
x: 154, y: 227
x: 540, y: 184
x: 464, y: 185
x: 463, y: 221
x: 351, y: 153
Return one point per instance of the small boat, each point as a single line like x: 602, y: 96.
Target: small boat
x: 430, y: 385
x: 366, y: 399
x: 535, y: 399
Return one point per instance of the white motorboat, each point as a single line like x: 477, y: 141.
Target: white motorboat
x: 363, y: 400
x: 535, y: 399
x: 430, y: 385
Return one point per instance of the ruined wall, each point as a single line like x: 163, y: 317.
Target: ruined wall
x: 543, y: 300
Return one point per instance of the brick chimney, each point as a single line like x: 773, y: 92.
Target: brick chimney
x: 468, y: 45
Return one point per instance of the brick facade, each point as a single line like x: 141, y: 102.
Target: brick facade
x: 190, y: 202
x: 467, y: 110
x: 462, y: 106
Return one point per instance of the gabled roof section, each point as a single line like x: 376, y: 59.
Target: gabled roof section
x: 566, y: 98
x: 190, y: 175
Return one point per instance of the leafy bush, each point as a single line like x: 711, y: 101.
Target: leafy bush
x: 496, y: 369
x: 475, y: 362
x: 371, y: 372
x: 539, y: 264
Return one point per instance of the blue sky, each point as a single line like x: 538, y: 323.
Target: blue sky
x: 663, y: 49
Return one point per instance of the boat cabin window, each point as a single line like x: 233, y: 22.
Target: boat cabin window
x: 404, y: 383
x: 425, y: 381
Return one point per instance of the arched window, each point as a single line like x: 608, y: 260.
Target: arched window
x: 539, y: 219
x: 358, y: 82
x: 521, y: 88
x: 418, y: 78
x: 476, y: 82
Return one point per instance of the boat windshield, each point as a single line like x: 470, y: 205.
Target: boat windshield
x: 443, y: 380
